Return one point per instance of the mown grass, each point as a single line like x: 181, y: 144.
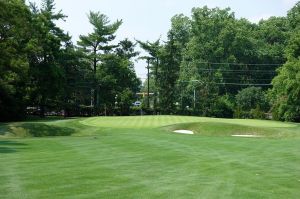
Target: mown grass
x: 229, y: 129
x: 119, y: 158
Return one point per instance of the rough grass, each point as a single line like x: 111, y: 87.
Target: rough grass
x: 229, y: 129
x: 120, y: 158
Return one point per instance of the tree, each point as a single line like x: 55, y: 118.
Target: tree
x: 118, y: 83
x: 46, y: 48
x: 223, y: 107
x: 15, y: 25
x: 285, y: 94
x: 153, y: 50
x: 273, y: 37
x: 117, y: 80
x: 169, y: 71
x: 76, y: 83
x: 126, y: 50
x: 96, y: 44
x: 171, y: 55
x: 211, y: 39
x: 293, y: 16
x: 251, y: 98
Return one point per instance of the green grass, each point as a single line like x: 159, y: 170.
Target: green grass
x: 139, y: 157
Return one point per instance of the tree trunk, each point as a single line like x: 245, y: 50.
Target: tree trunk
x: 42, y: 108
x: 95, y: 82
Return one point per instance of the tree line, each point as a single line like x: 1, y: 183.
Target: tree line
x: 42, y: 71
x: 216, y: 65
x: 212, y: 64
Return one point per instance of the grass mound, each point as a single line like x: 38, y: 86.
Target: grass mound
x: 228, y: 129
x: 34, y: 129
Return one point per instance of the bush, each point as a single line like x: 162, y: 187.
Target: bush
x: 251, y: 102
x: 223, y: 107
x: 257, y: 113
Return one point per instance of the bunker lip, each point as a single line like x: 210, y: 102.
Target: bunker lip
x: 248, y: 136
x: 184, y: 132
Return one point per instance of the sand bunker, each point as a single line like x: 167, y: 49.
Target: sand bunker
x: 184, y: 132
x: 248, y: 136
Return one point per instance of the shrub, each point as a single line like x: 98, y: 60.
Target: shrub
x: 223, y: 107
x: 251, y: 102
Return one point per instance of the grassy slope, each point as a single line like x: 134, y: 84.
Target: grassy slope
x: 131, y: 157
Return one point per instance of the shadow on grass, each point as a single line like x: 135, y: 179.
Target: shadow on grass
x: 41, y: 130
x: 11, y: 146
x: 3, y: 129
x: 34, y: 130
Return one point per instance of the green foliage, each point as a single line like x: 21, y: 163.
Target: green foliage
x: 249, y: 98
x: 126, y: 50
x: 14, y: 43
x: 293, y: 48
x: 168, y: 75
x: 76, y: 83
x: 257, y: 113
x: 223, y: 107
x: 216, y: 36
x: 273, y: 35
x: 126, y: 99
x: 45, y: 67
x: 206, y: 61
x: 170, y: 59
x: 286, y: 92
x: 112, y: 70
x: 153, y: 62
x: 251, y: 102
x: 285, y: 95
x: 95, y: 45
x: 207, y: 26
x: 102, y: 34
x: 116, y: 77
x: 294, y: 16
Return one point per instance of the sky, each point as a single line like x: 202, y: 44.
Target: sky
x: 148, y: 20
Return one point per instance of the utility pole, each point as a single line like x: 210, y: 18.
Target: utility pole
x: 92, y: 102
x: 194, y: 94
x: 194, y: 98
x: 148, y: 77
x: 156, y: 79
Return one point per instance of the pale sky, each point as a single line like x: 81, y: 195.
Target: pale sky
x: 150, y: 19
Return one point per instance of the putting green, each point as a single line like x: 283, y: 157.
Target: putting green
x: 160, y: 121
x: 139, y: 121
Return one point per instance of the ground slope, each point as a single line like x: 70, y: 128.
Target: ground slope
x: 139, y: 157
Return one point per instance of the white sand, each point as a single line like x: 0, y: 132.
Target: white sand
x: 248, y: 136
x: 184, y: 132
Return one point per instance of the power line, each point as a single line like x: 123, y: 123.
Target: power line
x: 221, y: 78
x: 238, y: 84
x: 238, y: 64
x: 233, y: 71
x: 269, y: 79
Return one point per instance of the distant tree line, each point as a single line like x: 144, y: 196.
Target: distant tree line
x: 216, y: 65
x: 211, y: 64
